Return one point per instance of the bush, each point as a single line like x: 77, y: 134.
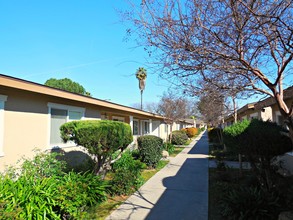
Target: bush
x: 43, y: 165
x: 169, y: 147
x: 261, y: 142
x: 231, y: 135
x: 127, y: 176
x: 191, y: 132
x: 43, y: 191
x: 100, y: 138
x: 179, y: 137
x: 77, y: 191
x: 214, y: 135
x: 250, y: 203
x: 150, y: 149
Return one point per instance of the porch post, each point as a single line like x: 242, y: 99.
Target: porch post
x: 131, y: 122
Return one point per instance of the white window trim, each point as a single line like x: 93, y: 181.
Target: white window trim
x: 143, y: 127
x: 62, y: 107
x: 122, y: 119
x: 137, y: 127
x: 3, y: 99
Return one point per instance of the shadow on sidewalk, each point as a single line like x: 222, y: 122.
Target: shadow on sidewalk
x: 186, y: 194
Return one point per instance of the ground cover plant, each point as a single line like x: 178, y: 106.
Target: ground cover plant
x: 235, y: 196
x: 39, y: 189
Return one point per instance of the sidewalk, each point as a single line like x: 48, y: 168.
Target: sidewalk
x: 178, y: 191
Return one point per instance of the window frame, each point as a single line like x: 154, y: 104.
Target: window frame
x: 3, y: 99
x: 67, y: 108
x: 118, y: 118
x: 145, y: 131
x: 135, y: 120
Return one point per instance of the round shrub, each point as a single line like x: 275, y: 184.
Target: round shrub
x: 150, y: 149
x: 179, y: 137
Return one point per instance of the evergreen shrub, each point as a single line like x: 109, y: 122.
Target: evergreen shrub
x: 150, y: 149
x: 231, y: 135
x: 179, y: 137
x: 127, y: 175
x: 101, y: 138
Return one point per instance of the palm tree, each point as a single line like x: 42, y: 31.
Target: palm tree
x: 141, y: 75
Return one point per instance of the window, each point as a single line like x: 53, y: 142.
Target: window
x: 146, y: 127
x: 60, y: 114
x: 135, y: 127
x: 3, y: 99
x: 166, y: 128
x: 116, y: 118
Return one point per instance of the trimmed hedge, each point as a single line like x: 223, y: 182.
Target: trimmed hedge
x: 231, y: 135
x: 100, y: 137
x: 150, y: 149
x: 179, y: 137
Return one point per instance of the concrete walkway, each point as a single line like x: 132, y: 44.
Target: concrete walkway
x: 179, y: 191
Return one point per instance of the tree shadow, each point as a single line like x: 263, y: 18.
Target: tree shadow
x: 76, y: 160
x: 186, y: 194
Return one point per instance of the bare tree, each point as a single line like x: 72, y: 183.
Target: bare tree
x: 248, y: 41
x: 173, y: 108
x: 148, y: 106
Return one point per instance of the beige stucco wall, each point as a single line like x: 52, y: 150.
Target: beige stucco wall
x: 25, y: 126
x: 27, y: 123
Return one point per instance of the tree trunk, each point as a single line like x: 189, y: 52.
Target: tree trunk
x: 235, y: 121
x: 285, y: 111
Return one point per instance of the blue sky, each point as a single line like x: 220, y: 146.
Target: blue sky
x: 80, y: 40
